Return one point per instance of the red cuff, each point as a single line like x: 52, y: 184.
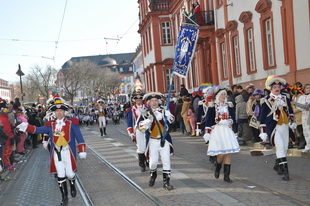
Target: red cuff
x: 82, y: 147
x: 208, y: 130
x: 31, y: 129
x: 130, y: 130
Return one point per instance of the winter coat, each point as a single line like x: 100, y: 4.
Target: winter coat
x: 240, y: 108
x: 178, y: 109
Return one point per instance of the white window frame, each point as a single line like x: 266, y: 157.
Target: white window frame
x: 236, y: 52
x: 224, y: 63
x: 168, y: 76
x: 269, y: 42
x: 166, y: 32
x: 251, y: 49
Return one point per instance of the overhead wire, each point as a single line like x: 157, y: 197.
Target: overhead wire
x: 62, y: 20
x: 125, y: 34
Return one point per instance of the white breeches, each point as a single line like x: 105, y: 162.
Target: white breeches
x: 102, y: 122
x: 141, y: 142
x: 64, y: 167
x: 281, y: 140
x: 155, y: 150
x: 306, y: 129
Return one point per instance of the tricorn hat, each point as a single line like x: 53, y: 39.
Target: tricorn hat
x: 272, y: 80
x: 137, y: 95
x: 58, y: 104
x: 100, y: 101
x: 151, y: 95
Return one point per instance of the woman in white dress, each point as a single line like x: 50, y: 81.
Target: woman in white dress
x: 219, y: 133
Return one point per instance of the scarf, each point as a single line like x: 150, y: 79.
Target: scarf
x: 59, y: 124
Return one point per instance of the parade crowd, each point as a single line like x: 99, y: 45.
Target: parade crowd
x: 277, y: 115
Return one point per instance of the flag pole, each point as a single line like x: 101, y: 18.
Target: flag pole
x: 170, y: 87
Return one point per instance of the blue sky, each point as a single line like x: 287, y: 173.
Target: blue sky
x: 30, y: 28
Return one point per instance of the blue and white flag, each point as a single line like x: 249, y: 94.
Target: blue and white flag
x: 184, y: 50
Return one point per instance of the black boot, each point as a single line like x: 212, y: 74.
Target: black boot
x: 104, y: 131
x: 277, y: 168
x: 284, y: 166
x: 302, y: 142
x: 141, y: 158
x: 166, y: 178
x: 218, y: 167
x: 101, y: 132
x: 62, y: 183
x: 227, y: 173
x: 72, y: 187
x: 152, y: 177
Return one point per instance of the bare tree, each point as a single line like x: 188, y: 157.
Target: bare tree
x: 39, y: 82
x: 77, y: 76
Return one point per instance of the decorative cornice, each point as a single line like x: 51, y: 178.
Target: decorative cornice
x: 220, y: 32
x: 245, y: 16
x: 263, y: 5
x: 231, y: 25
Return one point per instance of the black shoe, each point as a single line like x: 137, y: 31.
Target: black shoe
x: 64, y: 201
x: 152, y: 178
x: 166, y: 178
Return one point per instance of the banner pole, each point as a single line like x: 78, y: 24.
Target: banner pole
x: 167, y: 108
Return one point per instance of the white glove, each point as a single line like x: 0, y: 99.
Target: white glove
x: 45, y: 144
x: 159, y: 116
x: 263, y: 136
x: 145, y: 124
x: 132, y: 136
x: 22, y: 126
x: 206, y: 137
x: 168, y: 114
x: 293, y: 125
x: 224, y: 122
x: 82, y: 155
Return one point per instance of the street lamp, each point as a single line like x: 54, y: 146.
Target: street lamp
x: 20, y: 74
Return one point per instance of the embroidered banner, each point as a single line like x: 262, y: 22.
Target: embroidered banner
x: 185, y: 48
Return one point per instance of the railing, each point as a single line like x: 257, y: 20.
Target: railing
x: 202, y: 18
x: 160, y: 5
x: 208, y: 17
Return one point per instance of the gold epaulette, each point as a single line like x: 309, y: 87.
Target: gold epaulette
x: 230, y: 104
x: 262, y: 100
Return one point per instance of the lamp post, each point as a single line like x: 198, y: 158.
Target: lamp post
x: 20, y: 74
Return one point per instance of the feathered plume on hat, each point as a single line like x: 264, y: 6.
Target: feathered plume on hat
x: 58, y: 104
x: 272, y: 80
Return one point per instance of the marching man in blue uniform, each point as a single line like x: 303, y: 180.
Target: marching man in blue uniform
x: 136, y: 114
x: 275, y: 119
x: 63, y: 132
x: 156, y: 146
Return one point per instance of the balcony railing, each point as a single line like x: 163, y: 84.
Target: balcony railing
x: 208, y: 17
x: 160, y: 5
x: 203, y: 18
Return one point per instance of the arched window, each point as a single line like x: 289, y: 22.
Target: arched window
x: 248, y: 30
x: 232, y: 27
x: 266, y: 22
